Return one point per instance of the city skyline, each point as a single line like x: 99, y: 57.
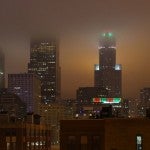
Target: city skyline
x: 79, y: 25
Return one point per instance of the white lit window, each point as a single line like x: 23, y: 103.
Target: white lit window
x: 139, y: 142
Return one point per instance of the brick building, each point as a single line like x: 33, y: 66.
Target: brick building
x: 15, y: 135
x: 105, y: 134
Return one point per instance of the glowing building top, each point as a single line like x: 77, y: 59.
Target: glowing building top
x: 107, y: 40
x: 107, y: 51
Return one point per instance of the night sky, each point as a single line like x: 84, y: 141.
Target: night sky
x: 78, y: 25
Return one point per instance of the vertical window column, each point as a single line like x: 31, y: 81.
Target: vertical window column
x: 139, y: 142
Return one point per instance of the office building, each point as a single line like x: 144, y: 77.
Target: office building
x: 125, y: 104
x: 107, y: 73
x: 44, y: 62
x: 144, y: 102
x: 85, y: 95
x: 88, y: 100
x: 28, y: 87
x: 16, y: 135
x: 2, y: 70
x: 70, y: 106
x: 51, y: 114
x: 12, y: 104
x: 105, y: 134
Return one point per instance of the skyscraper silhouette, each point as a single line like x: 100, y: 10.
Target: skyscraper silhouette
x: 107, y: 73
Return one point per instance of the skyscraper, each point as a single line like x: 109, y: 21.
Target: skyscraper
x: 44, y: 61
x: 2, y: 70
x: 107, y: 73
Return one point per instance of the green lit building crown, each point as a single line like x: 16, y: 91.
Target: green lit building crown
x: 107, y: 40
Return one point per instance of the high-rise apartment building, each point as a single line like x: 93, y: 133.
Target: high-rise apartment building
x: 2, y: 70
x: 44, y: 61
x: 107, y: 73
x: 28, y: 87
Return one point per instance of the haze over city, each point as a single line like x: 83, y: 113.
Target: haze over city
x: 78, y: 26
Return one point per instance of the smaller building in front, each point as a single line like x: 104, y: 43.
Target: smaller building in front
x: 51, y: 114
x: 28, y: 87
x: 105, y: 134
x: 12, y: 104
x: 18, y: 135
x: 2, y: 69
x: 95, y: 101
x: 144, y: 102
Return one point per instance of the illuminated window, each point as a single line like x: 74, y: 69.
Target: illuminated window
x: 139, y: 142
x: 96, y: 67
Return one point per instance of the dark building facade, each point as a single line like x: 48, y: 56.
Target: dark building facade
x: 44, y: 61
x: 70, y: 108
x: 28, y: 87
x: 16, y: 135
x: 125, y: 104
x: 105, y: 134
x: 86, y: 97
x: 2, y: 69
x: 144, y: 102
x: 12, y: 104
x: 107, y: 73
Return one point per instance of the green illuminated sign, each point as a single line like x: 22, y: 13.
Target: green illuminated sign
x: 117, y: 100
x: 107, y: 100
x: 103, y: 100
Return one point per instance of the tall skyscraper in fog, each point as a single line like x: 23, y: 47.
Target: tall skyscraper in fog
x: 107, y: 73
x: 2, y: 69
x: 44, y: 61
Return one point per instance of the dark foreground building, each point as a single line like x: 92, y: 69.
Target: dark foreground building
x: 16, y: 135
x: 105, y: 134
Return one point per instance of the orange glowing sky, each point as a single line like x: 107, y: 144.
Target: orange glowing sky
x: 78, y: 25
